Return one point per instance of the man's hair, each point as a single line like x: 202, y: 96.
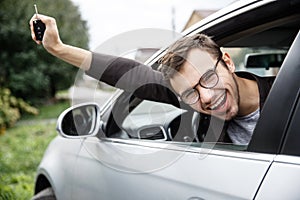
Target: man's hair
x: 176, y: 55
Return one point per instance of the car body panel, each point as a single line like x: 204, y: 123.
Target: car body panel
x: 57, y: 164
x: 114, y: 168
x: 282, y: 180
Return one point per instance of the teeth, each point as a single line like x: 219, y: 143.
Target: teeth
x: 220, y: 101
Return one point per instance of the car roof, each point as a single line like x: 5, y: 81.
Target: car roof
x: 237, y: 5
x: 239, y: 18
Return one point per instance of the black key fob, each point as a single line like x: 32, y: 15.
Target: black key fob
x: 39, y: 28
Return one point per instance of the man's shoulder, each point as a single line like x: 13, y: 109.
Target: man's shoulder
x: 259, y: 79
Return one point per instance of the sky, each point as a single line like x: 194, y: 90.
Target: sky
x: 106, y: 19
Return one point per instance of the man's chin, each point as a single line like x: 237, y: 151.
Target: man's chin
x: 226, y: 116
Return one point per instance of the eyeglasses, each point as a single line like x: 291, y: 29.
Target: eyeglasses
x: 208, y: 80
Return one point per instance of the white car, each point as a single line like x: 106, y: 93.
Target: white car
x: 132, y: 149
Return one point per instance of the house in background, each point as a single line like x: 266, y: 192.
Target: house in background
x: 196, y: 16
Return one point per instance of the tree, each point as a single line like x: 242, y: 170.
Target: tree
x: 26, y: 68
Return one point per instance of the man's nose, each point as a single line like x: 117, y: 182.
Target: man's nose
x: 206, y: 95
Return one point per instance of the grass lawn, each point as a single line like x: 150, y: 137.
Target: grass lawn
x: 21, y: 149
x: 48, y: 111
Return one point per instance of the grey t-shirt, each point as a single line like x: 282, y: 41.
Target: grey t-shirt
x: 240, y: 129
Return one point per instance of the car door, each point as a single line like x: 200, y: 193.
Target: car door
x: 111, y: 168
x: 131, y: 167
x: 283, y: 178
x: 144, y: 168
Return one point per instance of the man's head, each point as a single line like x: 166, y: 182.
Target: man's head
x: 173, y: 60
x: 202, y: 76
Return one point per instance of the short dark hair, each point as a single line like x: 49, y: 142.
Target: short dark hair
x: 176, y: 55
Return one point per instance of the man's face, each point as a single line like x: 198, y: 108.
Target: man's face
x: 222, y: 100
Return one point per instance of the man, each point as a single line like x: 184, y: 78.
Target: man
x: 194, y: 68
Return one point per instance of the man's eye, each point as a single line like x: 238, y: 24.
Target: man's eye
x: 208, y: 76
x: 189, y: 94
x: 209, y: 79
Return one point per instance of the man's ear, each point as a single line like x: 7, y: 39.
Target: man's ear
x: 230, y: 64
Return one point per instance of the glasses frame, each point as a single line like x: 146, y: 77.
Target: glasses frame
x: 200, y: 82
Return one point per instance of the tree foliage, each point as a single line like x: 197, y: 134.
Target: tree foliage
x: 26, y: 68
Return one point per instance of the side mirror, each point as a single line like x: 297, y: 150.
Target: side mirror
x: 79, y: 121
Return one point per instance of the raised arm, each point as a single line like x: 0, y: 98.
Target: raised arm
x: 78, y: 57
x: 123, y: 73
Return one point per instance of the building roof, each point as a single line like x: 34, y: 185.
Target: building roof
x: 196, y: 16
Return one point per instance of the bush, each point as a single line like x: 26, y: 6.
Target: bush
x: 11, y: 109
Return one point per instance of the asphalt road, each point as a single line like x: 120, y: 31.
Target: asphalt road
x: 82, y: 94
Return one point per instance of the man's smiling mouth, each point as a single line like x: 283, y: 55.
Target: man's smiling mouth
x: 219, y: 102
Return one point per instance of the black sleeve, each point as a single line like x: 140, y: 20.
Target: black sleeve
x: 132, y: 76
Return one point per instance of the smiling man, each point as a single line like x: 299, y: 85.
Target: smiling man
x: 205, y: 79
x: 193, y: 70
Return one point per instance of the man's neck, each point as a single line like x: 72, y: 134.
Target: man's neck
x: 249, y: 96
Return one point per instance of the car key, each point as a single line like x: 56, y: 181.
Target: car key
x: 38, y: 26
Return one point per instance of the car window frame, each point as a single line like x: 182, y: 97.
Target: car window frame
x: 291, y: 143
x: 222, y: 38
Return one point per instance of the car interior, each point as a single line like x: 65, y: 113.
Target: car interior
x: 260, y: 50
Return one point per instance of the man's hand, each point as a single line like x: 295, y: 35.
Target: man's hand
x: 51, y: 40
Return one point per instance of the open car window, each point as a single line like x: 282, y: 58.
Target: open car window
x: 260, y: 50
x: 261, y: 61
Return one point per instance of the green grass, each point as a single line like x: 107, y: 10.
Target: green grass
x: 21, y: 150
x: 48, y: 111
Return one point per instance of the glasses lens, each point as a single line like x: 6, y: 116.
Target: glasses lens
x: 209, y: 79
x: 190, y: 96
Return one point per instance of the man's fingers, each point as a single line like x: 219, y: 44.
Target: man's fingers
x: 34, y: 17
x: 32, y: 31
